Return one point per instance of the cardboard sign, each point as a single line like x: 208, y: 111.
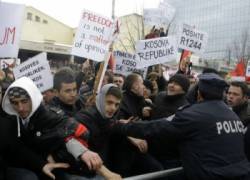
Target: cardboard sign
x: 93, y: 36
x: 192, y: 39
x: 126, y: 64
x: 11, y: 18
x: 5, y: 63
x: 156, y: 51
x: 37, y: 69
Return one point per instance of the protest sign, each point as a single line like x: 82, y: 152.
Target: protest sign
x: 5, y: 63
x: 11, y: 18
x: 152, y: 17
x: 156, y: 51
x: 192, y: 39
x: 126, y: 64
x: 93, y: 36
x: 159, y: 16
x: 37, y: 69
x: 168, y: 11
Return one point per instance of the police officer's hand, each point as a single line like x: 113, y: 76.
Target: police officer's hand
x: 49, y: 167
x: 92, y: 160
x: 141, y: 144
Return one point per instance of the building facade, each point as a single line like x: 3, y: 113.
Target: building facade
x: 42, y: 33
x: 227, y: 23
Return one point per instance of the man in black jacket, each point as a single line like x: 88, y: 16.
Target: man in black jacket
x: 13, y: 148
x: 209, y: 134
x: 100, y: 119
x: 67, y: 103
x: 39, y: 129
x: 66, y: 98
x: 133, y: 102
x: 237, y: 99
x: 167, y: 103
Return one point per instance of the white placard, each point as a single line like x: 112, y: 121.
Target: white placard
x: 192, y: 39
x: 152, y: 16
x: 37, y: 69
x: 168, y: 11
x: 93, y: 36
x: 159, y: 16
x: 156, y: 51
x: 11, y: 18
x: 5, y: 63
x: 126, y: 64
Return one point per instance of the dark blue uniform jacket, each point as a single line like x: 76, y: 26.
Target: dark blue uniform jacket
x: 210, y: 140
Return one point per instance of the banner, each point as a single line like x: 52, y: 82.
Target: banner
x: 126, y: 64
x: 192, y: 39
x: 93, y: 36
x: 11, y: 18
x: 37, y: 69
x: 156, y: 51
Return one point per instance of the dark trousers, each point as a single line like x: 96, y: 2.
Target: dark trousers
x: 126, y: 159
x: 20, y: 174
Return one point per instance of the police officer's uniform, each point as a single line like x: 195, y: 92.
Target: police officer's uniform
x: 210, y: 136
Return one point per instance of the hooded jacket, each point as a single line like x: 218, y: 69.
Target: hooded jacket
x: 99, y: 126
x: 97, y: 123
x: 13, y: 150
x: 34, y: 93
x: 46, y: 130
x: 116, y: 151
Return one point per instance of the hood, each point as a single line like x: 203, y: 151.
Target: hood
x: 100, y: 99
x: 28, y: 85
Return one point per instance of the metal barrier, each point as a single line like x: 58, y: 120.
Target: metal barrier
x: 157, y: 174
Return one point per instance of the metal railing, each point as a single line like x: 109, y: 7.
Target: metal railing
x: 158, y: 174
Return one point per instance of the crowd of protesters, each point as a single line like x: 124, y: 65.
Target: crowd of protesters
x: 133, y: 126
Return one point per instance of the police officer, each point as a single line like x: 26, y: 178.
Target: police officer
x: 209, y: 135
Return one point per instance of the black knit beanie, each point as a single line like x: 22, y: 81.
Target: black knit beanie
x: 182, y: 80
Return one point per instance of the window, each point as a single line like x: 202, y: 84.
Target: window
x: 37, y: 19
x: 45, y: 21
x: 29, y: 16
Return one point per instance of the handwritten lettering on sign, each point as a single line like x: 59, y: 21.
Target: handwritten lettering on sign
x: 126, y: 63
x: 93, y: 36
x: 11, y: 20
x: 8, y: 36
